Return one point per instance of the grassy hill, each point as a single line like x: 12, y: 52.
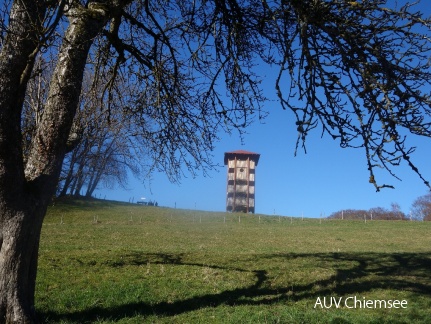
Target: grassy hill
x: 110, y: 262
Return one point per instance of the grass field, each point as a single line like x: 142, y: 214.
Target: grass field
x: 110, y: 262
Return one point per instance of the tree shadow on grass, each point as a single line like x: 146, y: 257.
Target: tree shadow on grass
x: 364, y: 272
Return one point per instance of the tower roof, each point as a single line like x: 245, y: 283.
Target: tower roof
x: 232, y: 154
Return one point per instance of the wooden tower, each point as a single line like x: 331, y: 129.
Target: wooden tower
x: 241, y: 180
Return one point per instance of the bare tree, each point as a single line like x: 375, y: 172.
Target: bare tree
x: 396, y: 212
x: 421, y: 208
x: 360, y: 70
x: 105, y: 155
x: 34, y: 101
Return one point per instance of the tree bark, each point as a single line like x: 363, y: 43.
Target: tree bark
x: 23, y: 204
x: 18, y: 244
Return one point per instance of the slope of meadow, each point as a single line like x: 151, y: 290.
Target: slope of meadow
x: 111, y: 262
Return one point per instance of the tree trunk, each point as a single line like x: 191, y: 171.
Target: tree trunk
x: 100, y: 161
x: 69, y: 176
x: 19, y: 227
x: 66, y: 184
x: 18, y: 263
x: 94, y: 181
x: 79, y: 181
x: 76, y: 165
x: 23, y: 204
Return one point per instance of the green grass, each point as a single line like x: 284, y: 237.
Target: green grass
x: 111, y: 262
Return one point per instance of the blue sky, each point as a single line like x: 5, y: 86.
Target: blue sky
x: 326, y: 179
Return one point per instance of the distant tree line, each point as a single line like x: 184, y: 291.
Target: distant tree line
x: 420, y: 210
